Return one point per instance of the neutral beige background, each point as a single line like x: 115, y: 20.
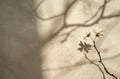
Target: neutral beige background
x: 63, y: 60
x: 22, y: 34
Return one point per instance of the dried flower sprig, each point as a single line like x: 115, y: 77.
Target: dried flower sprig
x: 86, y: 47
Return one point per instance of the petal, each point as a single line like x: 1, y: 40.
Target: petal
x: 81, y: 49
x: 86, y: 50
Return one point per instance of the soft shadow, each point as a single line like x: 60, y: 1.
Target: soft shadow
x: 19, y: 41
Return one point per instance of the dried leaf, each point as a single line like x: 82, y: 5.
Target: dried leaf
x: 84, y: 46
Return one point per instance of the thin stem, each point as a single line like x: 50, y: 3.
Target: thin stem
x: 101, y: 62
x: 102, y: 72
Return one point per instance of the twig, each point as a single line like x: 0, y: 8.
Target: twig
x: 100, y: 60
x: 102, y: 72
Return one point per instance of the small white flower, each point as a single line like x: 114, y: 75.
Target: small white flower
x: 98, y: 32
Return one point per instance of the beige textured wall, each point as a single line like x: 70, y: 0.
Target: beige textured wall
x: 63, y: 60
x: 27, y: 50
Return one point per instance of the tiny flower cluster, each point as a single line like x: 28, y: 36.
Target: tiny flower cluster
x: 86, y: 46
x: 97, y: 33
